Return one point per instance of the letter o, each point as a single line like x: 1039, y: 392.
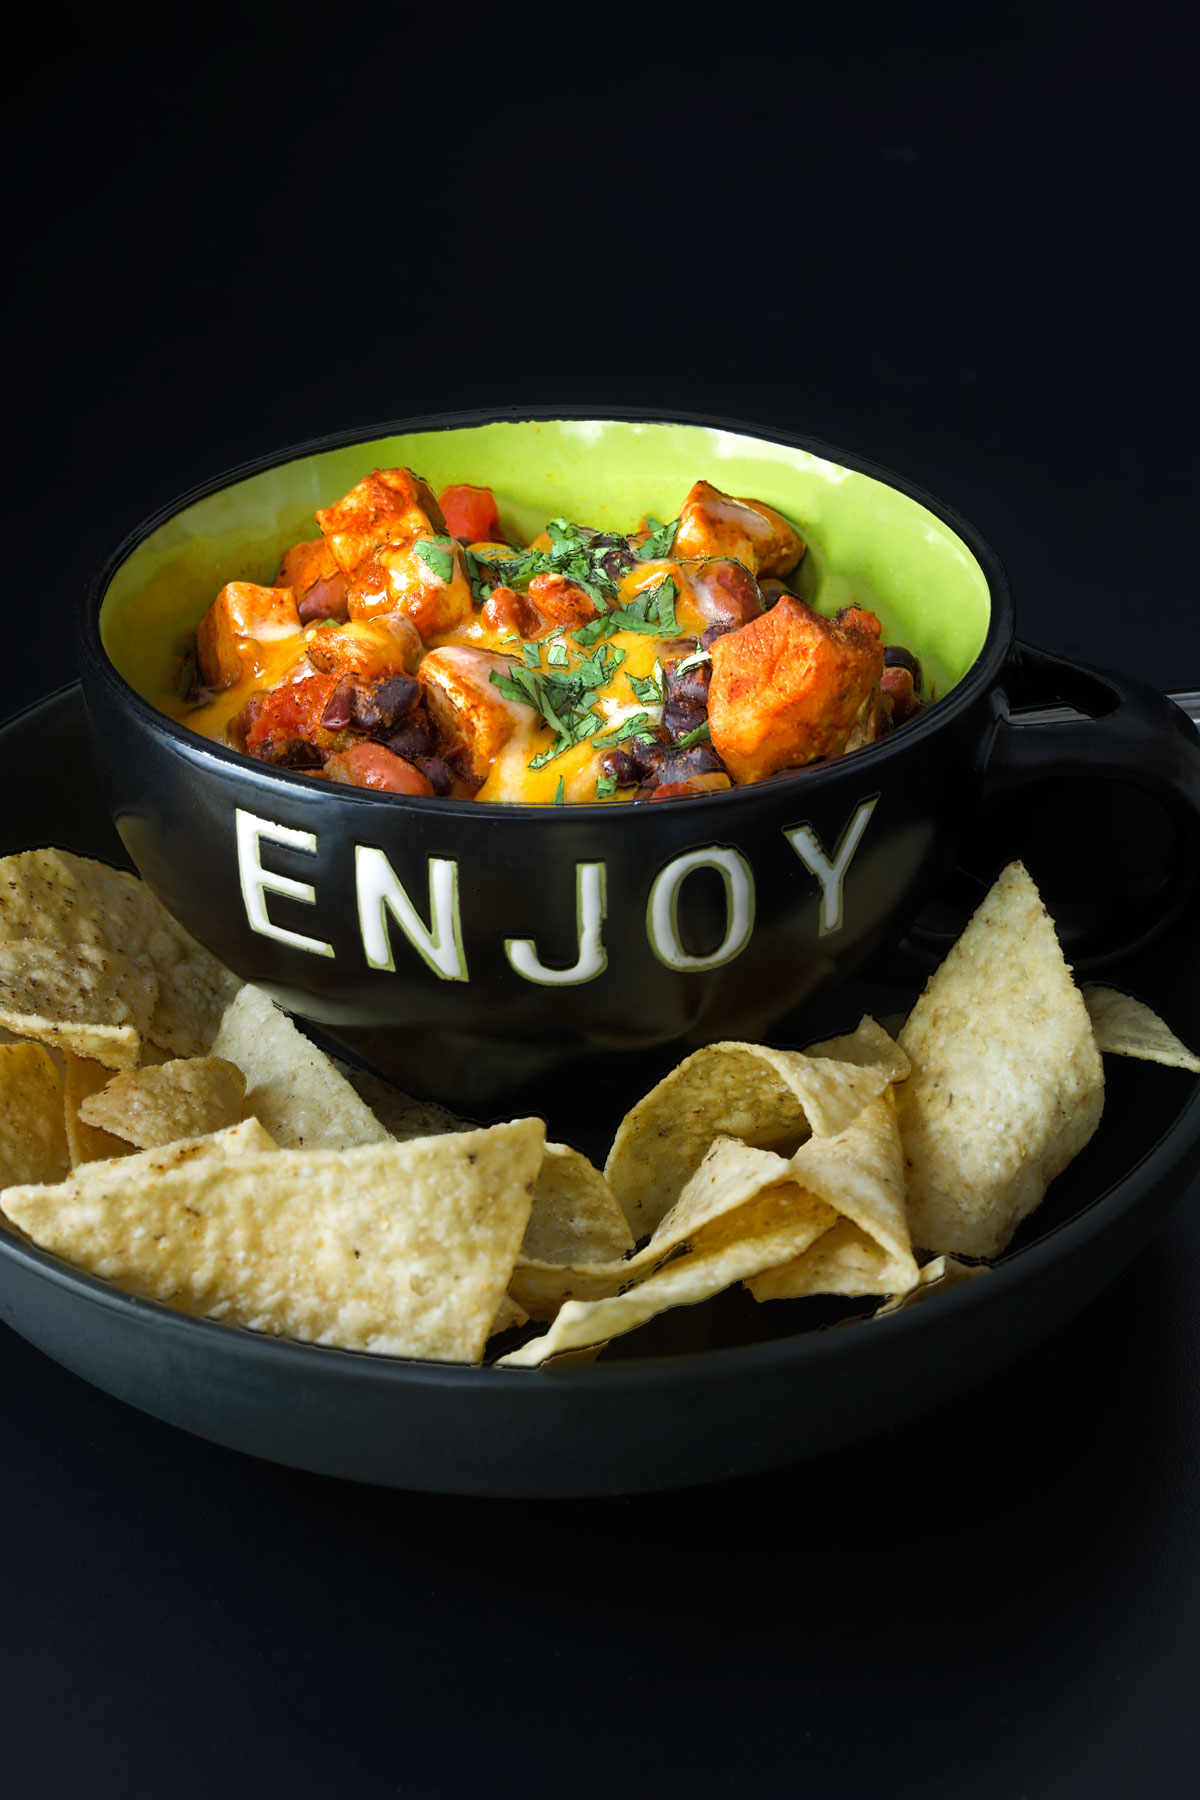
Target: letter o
x: 662, y: 909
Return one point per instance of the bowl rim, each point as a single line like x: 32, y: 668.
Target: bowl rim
x: 95, y: 662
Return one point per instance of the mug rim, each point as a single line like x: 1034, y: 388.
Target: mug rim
x: 998, y: 639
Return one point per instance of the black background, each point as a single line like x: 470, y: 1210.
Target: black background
x: 961, y: 251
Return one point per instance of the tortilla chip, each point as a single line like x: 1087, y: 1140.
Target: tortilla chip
x: 769, y: 1099
x: 33, y: 1139
x: 508, y: 1315
x: 399, y: 1249
x: 401, y: 1115
x: 937, y: 1277
x: 95, y: 1002
x: 869, y: 1045
x: 56, y: 897
x: 1128, y: 1027
x: 860, y: 1173
x: 187, y: 1098
x: 575, y: 1221
x: 291, y: 1085
x: 1007, y: 1083
x: 734, y: 1227
x: 82, y: 1079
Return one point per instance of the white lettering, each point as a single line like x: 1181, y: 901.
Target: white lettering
x: 258, y: 882
x: 662, y: 912
x: 831, y: 873
x: 380, y: 893
x: 591, y: 906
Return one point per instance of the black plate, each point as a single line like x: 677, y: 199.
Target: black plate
x: 728, y: 1388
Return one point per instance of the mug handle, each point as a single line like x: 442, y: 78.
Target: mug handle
x: 1132, y: 744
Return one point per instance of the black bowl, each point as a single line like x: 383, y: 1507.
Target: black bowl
x: 703, y: 1393
x: 476, y: 951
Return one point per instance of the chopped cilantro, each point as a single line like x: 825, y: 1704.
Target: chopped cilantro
x: 556, y: 654
x: 437, y: 555
x: 560, y: 792
x: 533, y: 655
x: 636, y: 726
x: 661, y: 541
x: 606, y: 786
x: 701, y: 735
x: 649, y: 688
x: 697, y: 658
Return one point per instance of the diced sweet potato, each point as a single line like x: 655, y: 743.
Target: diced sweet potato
x: 561, y: 602
x: 397, y: 579
x: 389, y: 506
x: 787, y: 688
x: 372, y: 648
x: 242, y: 613
x: 716, y: 524
x: 470, y: 513
x: 373, y: 766
x: 473, y: 719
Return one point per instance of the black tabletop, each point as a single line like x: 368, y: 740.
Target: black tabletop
x: 961, y: 257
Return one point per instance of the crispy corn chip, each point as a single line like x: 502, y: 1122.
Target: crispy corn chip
x: 1128, y: 1027
x: 190, y: 1097
x: 56, y: 897
x: 575, y: 1221
x: 508, y: 1314
x: 95, y: 1002
x: 868, y: 1045
x: 1007, y: 1084
x: 33, y: 1140
x: 734, y: 1227
x: 766, y: 1098
x: 937, y: 1277
x: 400, y: 1249
x: 291, y: 1085
x: 861, y: 1174
x: 401, y: 1116
x: 83, y: 1078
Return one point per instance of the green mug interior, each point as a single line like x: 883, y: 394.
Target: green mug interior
x: 868, y: 543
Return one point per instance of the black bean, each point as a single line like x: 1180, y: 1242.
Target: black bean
x: 691, y: 687
x: 411, y: 741
x: 619, y: 767
x: 381, y: 708
x: 897, y: 657
x: 681, y: 765
x: 438, y: 774
x: 681, y: 716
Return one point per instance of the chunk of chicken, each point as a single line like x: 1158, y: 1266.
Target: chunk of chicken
x: 716, y: 524
x: 473, y: 719
x: 398, y: 579
x: 242, y: 614
x: 389, y: 506
x: 787, y: 688
x: 562, y: 603
x: 372, y: 648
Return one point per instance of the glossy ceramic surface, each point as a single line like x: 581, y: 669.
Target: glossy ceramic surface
x: 703, y: 1393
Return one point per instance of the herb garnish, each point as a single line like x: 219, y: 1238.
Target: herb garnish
x: 652, y: 614
x: 564, y: 696
x: 701, y: 735
x: 606, y: 786
x: 649, y: 689
x: 661, y: 541
x: 438, y: 556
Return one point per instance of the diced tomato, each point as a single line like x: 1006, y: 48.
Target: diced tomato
x: 470, y: 513
x: 290, y: 717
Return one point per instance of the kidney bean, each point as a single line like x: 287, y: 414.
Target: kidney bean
x: 709, y: 636
x: 371, y: 766
x: 895, y: 656
x: 339, y: 709
x: 325, y: 599
x: 682, y: 716
x: 689, y: 688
